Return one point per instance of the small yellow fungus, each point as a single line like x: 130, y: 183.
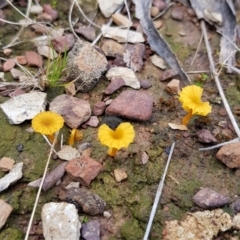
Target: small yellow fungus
x: 76, y: 135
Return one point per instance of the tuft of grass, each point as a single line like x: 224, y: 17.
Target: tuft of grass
x: 55, y: 69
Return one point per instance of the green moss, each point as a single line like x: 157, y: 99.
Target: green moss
x: 11, y: 233
x: 233, y: 95
x: 131, y: 230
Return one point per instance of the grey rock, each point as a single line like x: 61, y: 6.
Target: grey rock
x: 86, y: 65
x: 132, y: 104
x: 86, y: 31
x: 87, y: 201
x: 91, y: 230
x: 229, y: 154
x: 205, y: 136
x: 13, y: 176
x: 75, y: 111
x: 208, y: 198
x: 24, y: 107
x: 177, y: 13
x: 235, y: 206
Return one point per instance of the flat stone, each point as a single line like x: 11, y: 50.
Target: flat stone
x: 21, y: 60
x: 205, y: 136
x: 34, y: 59
x: 109, y: 7
x: 99, y: 108
x: 112, y: 48
x: 92, y: 122
x: 168, y: 74
x: 24, y: 107
x: 122, y: 35
x: 145, y: 84
x: 51, y: 178
x: 5, y: 211
x: 229, y: 154
x: 47, y: 52
x: 83, y: 169
x: 63, y: 43
x: 86, y: 65
x: 177, y: 13
x: 158, y: 62
x: 75, y: 111
x: 6, y: 164
x: 120, y: 175
x: 87, y: 201
x: 68, y: 153
x: 86, y: 31
x: 60, y: 221
x: 8, y: 65
x: 208, y: 198
x: 132, y: 104
x: 126, y: 74
x: 91, y: 230
x: 13, y: 176
x: 160, y: 4
x: 36, y: 9
x: 16, y: 73
x: 116, y: 83
x: 48, y: 9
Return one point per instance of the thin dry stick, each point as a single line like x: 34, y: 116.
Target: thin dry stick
x: 40, y: 187
x: 23, y: 26
x: 198, y: 47
x: 158, y: 194
x: 219, y: 87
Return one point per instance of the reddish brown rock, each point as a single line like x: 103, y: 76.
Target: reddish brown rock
x: 208, y: 198
x: 47, y: 8
x: 132, y: 104
x: 168, y: 74
x: 75, y: 111
x: 116, y: 83
x: 83, y: 169
x: 205, y: 136
x: 34, y: 59
x: 229, y: 154
x: 64, y: 43
x: 177, y: 13
x: 99, y: 108
x: 86, y: 31
x: 8, y: 65
x: 21, y: 60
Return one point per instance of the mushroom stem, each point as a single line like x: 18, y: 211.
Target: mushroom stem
x: 186, y: 119
x: 51, y: 137
x: 112, y: 151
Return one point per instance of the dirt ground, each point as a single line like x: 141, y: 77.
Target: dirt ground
x: 130, y: 201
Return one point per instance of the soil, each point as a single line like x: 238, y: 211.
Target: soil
x: 130, y: 201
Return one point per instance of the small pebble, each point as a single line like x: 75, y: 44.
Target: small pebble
x: 20, y: 147
x: 145, y: 84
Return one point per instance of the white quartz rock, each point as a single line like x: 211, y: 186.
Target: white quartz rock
x: 109, y: 7
x: 122, y: 35
x: 24, y: 107
x: 60, y: 221
x: 126, y: 74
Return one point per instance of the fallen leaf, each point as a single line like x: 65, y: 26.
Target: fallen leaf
x: 177, y: 126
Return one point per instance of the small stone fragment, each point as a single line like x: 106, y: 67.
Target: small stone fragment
x: 122, y: 35
x: 72, y: 185
x: 7, y: 51
x: 87, y: 201
x: 63, y: 43
x: 13, y: 176
x: 116, y: 83
x: 154, y: 11
x: 99, y: 108
x: 36, y: 9
x: 174, y: 86
x: 47, y: 52
x: 6, y: 164
x: 47, y: 8
x: 92, y: 122
x: 68, y: 153
x: 5, y: 211
x: 24, y: 107
x: 168, y: 74
x: 158, y: 62
x: 205, y: 136
x: 83, y: 169
x: 157, y: 24
x: 51, y: 179
x: 21, y: 60
x: 8, y: 65
x: 121, y: 20
x: 144, y: 158
x: 208, y: 198
x: 177, y: 13
x: 86, y: 65
x: 34, y: 59
x: 16, y: 73
x: 160, y: 4
x: 91, y: 230
x: 60, y: 221
x: 75, y: 111
x: 235, y: 206
x: 112, y: 48
x: 120, y: 175
x: 109, y: 7
x: 126, y: 74
x: 86, y: 31
x: 140, y: 108
x: 145, y: 84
